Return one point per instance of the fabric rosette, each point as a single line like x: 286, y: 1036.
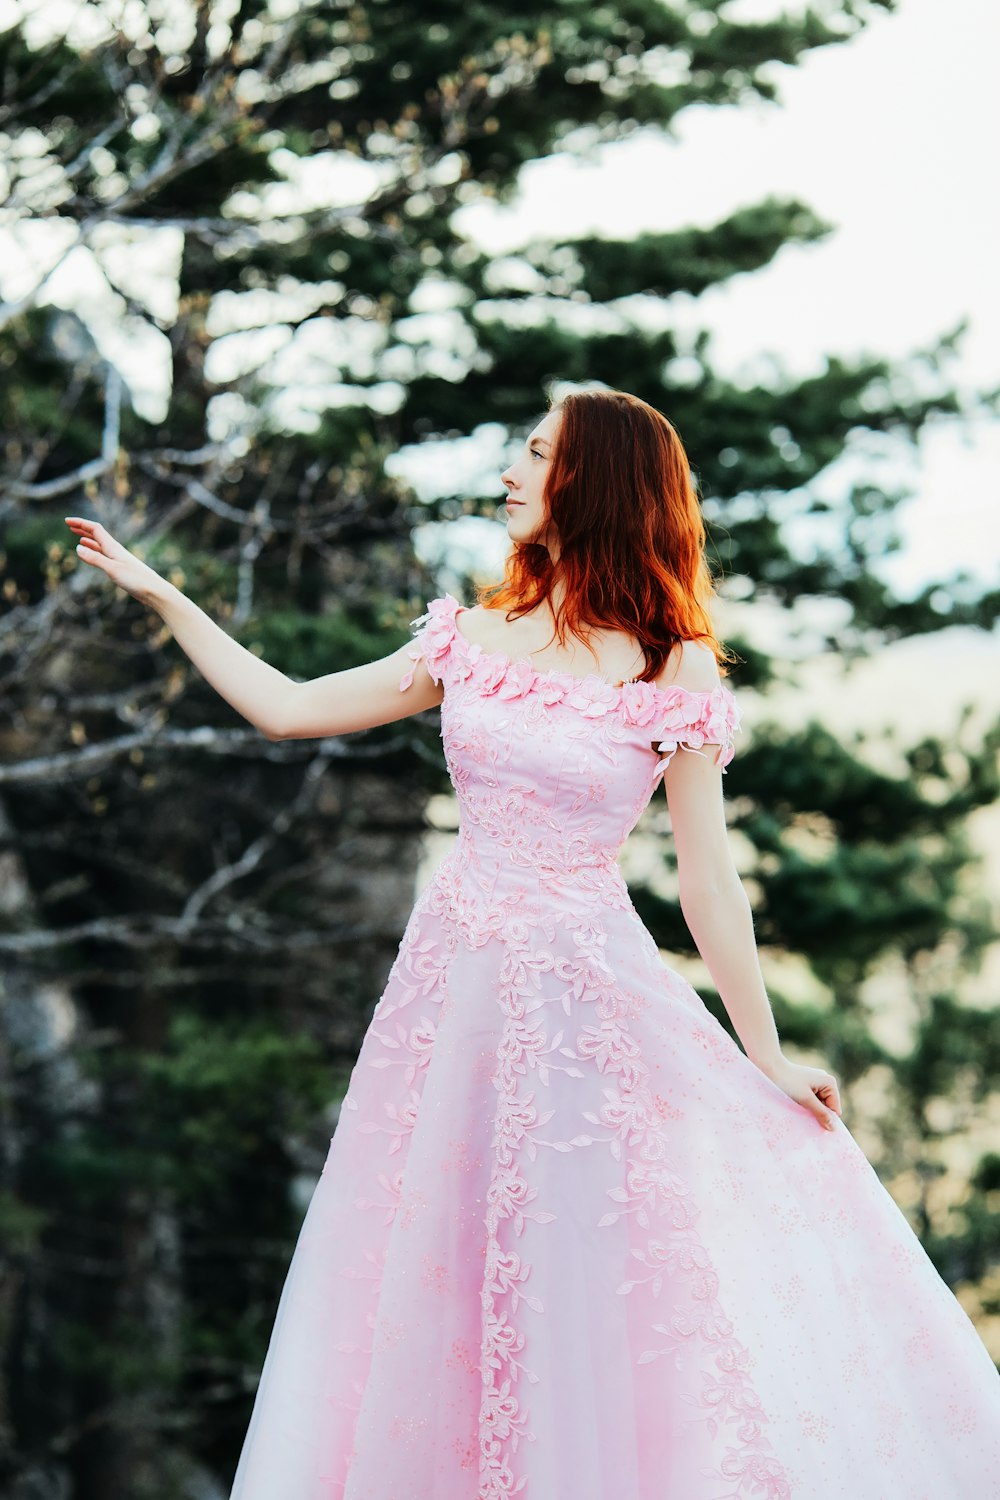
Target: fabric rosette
x: 684, y: 713
x: 641, y: 702
x: 491, y: 673
x: 594, y: 699
x: 698, y: 719
x: 518, y: 680
x: 440, y: 632
x: 436, y: 629
x: 550, y: 690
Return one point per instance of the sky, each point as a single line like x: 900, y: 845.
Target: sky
x: 891, y: 137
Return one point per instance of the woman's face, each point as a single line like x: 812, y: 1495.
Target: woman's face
x: 527, y: 514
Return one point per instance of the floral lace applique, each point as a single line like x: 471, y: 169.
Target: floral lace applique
x: 616, y: 1257
x: 681, y: 717
x: 668, y: 1253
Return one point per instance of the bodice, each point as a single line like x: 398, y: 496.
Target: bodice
x: 552, y: 770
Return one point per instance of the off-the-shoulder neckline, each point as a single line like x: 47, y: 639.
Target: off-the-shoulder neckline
x: 553, y: 674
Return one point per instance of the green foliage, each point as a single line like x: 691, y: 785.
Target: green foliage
x: 21, y: 1225
x: 955, y: 1049
x: 692, y: 260
x: 215, y: 1097
x: 307, y: 646
x: 206, y: 899
x: 222, y: 1093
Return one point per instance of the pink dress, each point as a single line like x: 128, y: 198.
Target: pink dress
x: 570, y: 1243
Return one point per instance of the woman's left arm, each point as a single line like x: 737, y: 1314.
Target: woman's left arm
x: 717, y: 911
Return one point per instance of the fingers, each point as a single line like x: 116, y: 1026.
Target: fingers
x: 830, y: 1094
x: 826, y: 1117
x: 827, y: 1103
x: 85, y: 530
x: 88, y: 548
x: 91, y: 555
x: 96, y: 545
x: 83, y: 527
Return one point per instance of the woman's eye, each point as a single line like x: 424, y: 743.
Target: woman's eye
x: 535, y: 453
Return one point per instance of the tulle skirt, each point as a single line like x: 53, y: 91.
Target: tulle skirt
x: 570, y: 1243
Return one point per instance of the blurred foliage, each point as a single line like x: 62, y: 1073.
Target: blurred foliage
x: 199, y: 921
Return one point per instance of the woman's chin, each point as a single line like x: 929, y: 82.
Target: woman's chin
x: 518, y: 529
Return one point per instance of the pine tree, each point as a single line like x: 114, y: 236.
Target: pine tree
x: 202, y: 917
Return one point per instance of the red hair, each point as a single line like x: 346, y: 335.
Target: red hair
x: 621, y: 498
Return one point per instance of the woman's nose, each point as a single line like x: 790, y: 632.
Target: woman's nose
x: 507, y: 478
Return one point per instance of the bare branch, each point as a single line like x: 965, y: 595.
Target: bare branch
x: 112, y: 415
x: 79, y: 162
x: 248, y: 234
x: 187, y: 457
x: 251, y: 546
x: 69, y: 764
x: 236, y: 935
x: 41, y: 445
x: 209, y: 501
x: 10, y: 112
x: 260, y: 519
x: 95, y: 468
x: 253, y: 854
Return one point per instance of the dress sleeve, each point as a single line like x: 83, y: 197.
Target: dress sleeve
x: 696, y: 719
x: 435, y: 635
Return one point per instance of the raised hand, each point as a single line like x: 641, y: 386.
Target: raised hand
x: 98, y: 547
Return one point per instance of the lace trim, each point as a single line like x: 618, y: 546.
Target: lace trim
x: 659, y: 1199
x: 668, y: 1255
x: 653, y: 1193
x: 685, y: 719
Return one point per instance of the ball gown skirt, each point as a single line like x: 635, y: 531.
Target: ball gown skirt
x: 569, y: 1242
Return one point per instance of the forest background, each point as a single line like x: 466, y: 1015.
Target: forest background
x: 277, y: 308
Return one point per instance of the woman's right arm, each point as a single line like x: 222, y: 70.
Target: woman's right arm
x: 339, y: 703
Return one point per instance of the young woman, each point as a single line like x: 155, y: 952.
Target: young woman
x: 571, y: 1242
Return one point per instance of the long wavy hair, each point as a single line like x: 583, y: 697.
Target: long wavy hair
x: 622, y: 500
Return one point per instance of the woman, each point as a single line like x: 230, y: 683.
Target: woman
x: 570, y: 1241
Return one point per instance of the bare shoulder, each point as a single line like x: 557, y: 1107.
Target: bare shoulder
x: 478, y: 624
x: 691, y: 665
